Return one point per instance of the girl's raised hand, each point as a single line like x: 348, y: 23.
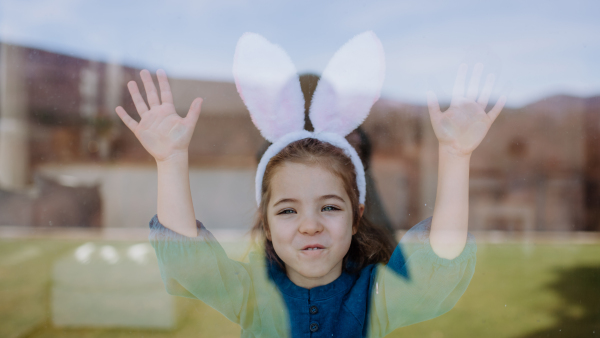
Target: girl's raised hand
x: 162, y: 132
x: 462, y: 127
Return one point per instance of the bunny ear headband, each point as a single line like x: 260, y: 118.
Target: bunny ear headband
x: 268, y: 83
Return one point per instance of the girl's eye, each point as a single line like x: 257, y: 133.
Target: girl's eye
x: 330, y: 208
x: 286, y: 211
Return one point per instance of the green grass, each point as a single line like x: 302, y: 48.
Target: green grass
x: 517, y: 291
x: 525, y: 291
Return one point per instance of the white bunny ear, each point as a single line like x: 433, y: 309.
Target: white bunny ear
x: 269, y: 85
x: 349, y: 86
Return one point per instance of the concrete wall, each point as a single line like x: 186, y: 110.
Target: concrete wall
x: 223, y: 198
x: 14, y: 150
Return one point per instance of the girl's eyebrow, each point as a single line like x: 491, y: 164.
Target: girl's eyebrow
x: 284, y: 200
x: 325, y: 197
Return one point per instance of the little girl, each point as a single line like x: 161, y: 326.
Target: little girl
x: 323, y: 270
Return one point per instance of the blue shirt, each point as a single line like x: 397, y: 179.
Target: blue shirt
x: 414, y: 286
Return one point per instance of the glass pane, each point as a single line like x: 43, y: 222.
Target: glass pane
x: 82, y: 255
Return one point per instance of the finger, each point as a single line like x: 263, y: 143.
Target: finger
x: 194, y: 112
x: 432, y: 103
x: 459, y: 84
x: 151, y: 92
x: 497, y: 108
x: 487, y: 91
x: 138, y: 100
x: 474, y: 83
x: 165, y: 90
x: 129, y: 122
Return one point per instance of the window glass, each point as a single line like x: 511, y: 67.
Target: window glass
x: 80, y: 251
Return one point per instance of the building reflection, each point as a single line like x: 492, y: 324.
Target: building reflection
x: 539, y: 169
x: 67, y: 161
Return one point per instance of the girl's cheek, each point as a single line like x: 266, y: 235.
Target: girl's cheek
x: 284, y: 222
x: 339, y: 219
x: 283, y: 231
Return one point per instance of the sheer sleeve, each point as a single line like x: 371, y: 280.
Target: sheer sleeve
x: 417, y: 284
x: 198, y: 267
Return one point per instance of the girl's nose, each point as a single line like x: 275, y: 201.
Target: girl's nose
x: 310, y: 225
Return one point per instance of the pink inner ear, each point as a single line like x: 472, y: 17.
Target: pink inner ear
x: 268, y: 84
x: 326, y: 104
x: 350, y: 85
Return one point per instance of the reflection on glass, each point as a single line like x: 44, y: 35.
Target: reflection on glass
x: 77, y: 187
x: 319, y: 250
x: 110, y: 286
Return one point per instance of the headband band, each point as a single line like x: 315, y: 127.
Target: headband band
x: 330, y: 138
x: 268, y: 83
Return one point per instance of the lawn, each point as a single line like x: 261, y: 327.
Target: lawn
x: 517, y: 291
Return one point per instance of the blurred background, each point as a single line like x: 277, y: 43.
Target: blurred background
x: 77, y: 189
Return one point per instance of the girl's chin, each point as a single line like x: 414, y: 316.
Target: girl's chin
x: 313, y: 269
x: 307, y: 272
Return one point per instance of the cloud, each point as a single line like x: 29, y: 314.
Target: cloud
x: 539, y: 46
x: 26, y: 18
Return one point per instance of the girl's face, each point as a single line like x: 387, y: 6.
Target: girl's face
x: 310, y: 223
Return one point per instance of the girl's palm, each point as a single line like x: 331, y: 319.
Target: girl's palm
x: 463, y: 126
x: 161, y: 131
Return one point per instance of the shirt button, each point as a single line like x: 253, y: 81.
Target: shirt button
x: 313, y: 310
x: 314, y: 327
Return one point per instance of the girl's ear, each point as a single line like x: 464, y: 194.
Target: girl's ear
x: 349, y: 86
x: 267, y: 231
x: 268, y: 83
x: 265, y: 227
x: 361, y: 210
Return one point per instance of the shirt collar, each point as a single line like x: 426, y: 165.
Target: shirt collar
x: 342, y: 284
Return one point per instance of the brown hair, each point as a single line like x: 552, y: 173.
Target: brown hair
x: 369, y: 245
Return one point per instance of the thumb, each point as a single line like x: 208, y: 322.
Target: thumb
x: 194, y: 112
x: 497, y: 108
x: 432, y: 103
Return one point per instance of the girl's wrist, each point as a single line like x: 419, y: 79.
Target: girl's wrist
x: 177, y: 159
x: 448, y: 152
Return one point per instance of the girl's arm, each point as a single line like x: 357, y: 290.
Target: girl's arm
x: 166, y: 136
x: 191, y: 261
x: 459, y: 130
x: 417, y: 284
x: 174, y: 205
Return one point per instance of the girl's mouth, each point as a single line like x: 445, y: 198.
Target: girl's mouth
x: 315, y: 246
x: 313, y: 251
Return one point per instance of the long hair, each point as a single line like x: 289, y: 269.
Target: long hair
x: 369, y: 245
